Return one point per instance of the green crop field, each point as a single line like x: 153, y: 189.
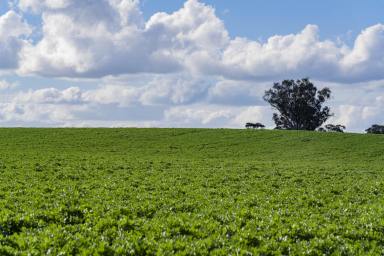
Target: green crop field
x: 190, y: 192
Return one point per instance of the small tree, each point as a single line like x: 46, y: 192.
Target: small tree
x: 376, y: 129
x: 254, y: 126
x: 299, y: 103
x: 335, y: 128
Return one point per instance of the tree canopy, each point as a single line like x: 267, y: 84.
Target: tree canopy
x: 376, y: 129
x: 254, y: 125
x: 335, y: 128
x: 299, y: 103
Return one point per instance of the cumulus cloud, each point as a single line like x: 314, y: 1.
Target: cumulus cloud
x: 291, y: 55
x: 38, y: 5
x: 300, y: 55
x: 4, y: 85
x: 145, y: 105
x: 198, y: 74
x: 174, y: 90
x: 42, y: 107
x: 356, y: 117
x: 207, y: 115
x: 241, y: 93
x: 94, y: 38
x: 100, y: 38
x: 171, y: 90
x: 163, y: 90
x: 111, y: 37
x: 158, y: 91
x: 13, y: 31
x: 70, y: 95
x: 356, y: 105
x: 165, y: 101
x: 37, y: 114
x: 366, y: 60
x: 214, y: 115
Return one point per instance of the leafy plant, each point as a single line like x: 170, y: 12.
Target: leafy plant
x: 190, y: 191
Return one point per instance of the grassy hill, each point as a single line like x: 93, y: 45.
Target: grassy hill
x: 190, y: 191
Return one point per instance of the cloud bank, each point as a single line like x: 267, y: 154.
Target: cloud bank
x: 192, y: 72
x: 110, y: 37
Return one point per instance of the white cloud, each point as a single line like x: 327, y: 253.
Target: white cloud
x: 357, y: 118
x: 174, y: 90
x: 12, y: 31
x: 357, y: 106
x: 171, y: 90
x: 214, y: 116
x: 160, y: 90
x: 108, y: 38
x: 48, y: 106
x: 112, y: 94
x: 92, y: 11
x: 252, y: 114
x: 119, y: 104
x: 94, y: 38
x: 298, y: 55
x: 38, y: 5
x: 292, y: 55
x: 111, y: 124
x: 70, y: 95
x: 207, y: 115
x: 42, y: 114
x: 366, y: 60
x: 188, y: 70
x: 230, y: 92
x: 146, y: 105
x: 194, y: 27
x: 111, y: 37
x: 4, y: 85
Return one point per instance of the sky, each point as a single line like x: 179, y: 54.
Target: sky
x: 185, y: 63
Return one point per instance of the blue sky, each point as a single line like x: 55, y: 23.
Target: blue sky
x: 261, y: 19
x: 199, y: 64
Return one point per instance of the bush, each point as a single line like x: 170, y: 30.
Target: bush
x: 335, y: 128
x: 254, y: 125
x: 376, y: 129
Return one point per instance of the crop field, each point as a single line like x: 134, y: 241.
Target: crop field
x: 190, y: 192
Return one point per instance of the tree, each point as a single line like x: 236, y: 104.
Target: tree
x: 376, y: 129
x: 335, y: 128
x: 299, y: 103
x: 254, y: 126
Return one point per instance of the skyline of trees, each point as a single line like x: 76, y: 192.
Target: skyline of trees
x: 301, y: 106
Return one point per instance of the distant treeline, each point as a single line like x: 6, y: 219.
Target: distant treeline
x: 300, y: 106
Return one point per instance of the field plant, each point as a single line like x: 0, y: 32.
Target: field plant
x: 190, y: 192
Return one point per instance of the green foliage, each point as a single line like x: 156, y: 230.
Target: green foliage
x: 190, y: 191
x: 299, y: 103
x: 376, y: 129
